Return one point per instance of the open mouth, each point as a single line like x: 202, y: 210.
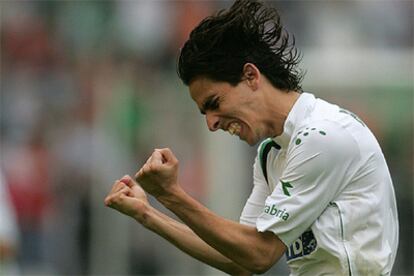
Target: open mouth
x: 234, y: 128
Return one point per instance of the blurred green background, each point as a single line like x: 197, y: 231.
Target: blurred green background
x: 89, y: 88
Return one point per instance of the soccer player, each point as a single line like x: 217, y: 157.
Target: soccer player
x: 322, y: 193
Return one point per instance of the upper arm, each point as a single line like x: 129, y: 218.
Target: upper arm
x: 255, y: 203
x: 275, y: 248
x: 263, y: 251
x: 271, y: 247
x: 317, y: 169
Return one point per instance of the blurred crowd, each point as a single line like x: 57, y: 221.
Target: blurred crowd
x: 89, y: 88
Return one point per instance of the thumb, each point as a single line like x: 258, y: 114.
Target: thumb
x: 157, y: 158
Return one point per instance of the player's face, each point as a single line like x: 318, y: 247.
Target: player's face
x: 230, y: 108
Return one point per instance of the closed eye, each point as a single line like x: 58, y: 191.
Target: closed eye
x: 211, y: 103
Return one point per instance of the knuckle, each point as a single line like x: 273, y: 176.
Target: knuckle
x: 107, y: 201
x: 153, y: 168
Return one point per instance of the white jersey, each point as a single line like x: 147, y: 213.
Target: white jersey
x: 328, y: 195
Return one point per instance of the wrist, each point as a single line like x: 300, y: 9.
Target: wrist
x: 142, y: 213
x: 171, y: 198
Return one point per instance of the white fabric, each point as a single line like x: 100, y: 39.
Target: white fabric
x: 330, y: 197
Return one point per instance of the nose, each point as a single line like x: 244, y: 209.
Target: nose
x: 213, y: 121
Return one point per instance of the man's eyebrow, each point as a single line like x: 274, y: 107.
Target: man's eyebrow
x: 207, y: 104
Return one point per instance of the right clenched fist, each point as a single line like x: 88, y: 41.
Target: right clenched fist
x: 158, y: 176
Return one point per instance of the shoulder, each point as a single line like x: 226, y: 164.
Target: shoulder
x: 322, y: 132
x: 323, y: 140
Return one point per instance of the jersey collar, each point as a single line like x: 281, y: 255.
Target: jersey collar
x: 303, y: 105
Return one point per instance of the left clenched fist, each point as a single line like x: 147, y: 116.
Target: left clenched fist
x: 158, y: 176
x: 127, y: 197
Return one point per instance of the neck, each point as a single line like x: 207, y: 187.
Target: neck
x: 278, y: 105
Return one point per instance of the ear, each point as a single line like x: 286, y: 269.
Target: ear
x: 251, y: 75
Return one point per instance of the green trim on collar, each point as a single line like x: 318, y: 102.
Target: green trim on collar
x: 264, y: 150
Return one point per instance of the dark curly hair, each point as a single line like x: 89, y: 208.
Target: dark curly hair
x: 248, y: 32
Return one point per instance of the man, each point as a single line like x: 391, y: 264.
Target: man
x: 322, y: 191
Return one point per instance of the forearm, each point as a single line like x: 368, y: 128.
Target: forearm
x: 240, y: 243
x: 244, y: 245
x: 186, y: 240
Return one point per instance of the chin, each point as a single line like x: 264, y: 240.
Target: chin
x: 251, y: 142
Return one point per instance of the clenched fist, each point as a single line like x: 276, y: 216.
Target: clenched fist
x: 158, y: 176
x: 127, y: 197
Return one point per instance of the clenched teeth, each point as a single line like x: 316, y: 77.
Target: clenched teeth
x: 234, y: 129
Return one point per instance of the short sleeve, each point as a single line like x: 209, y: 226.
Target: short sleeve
x: 256, y: 201
x: 318, y: 166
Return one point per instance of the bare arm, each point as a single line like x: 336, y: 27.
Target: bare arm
x: 128, y: 198
x: 253, y: 250
x: 256, y: 251
x: 185, y: 239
